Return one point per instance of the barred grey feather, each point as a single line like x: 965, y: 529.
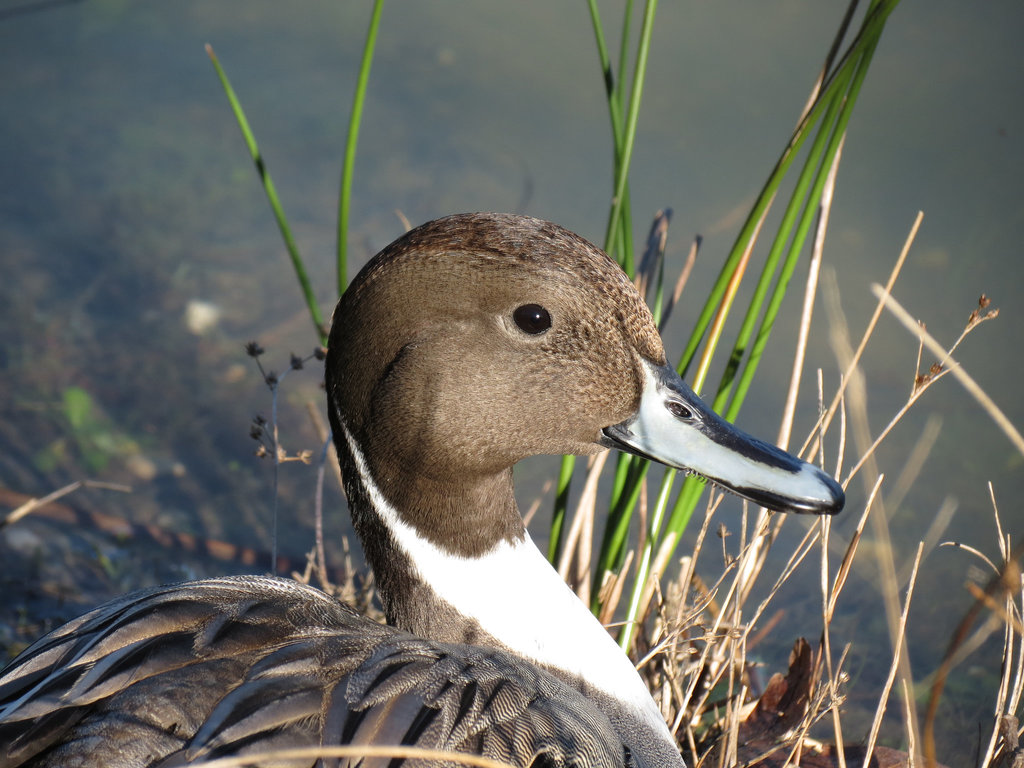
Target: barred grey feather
x: 177, y: 674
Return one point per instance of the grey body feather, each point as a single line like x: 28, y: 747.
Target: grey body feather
x: 180, y: 673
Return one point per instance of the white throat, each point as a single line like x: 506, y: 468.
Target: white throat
x: 517, y: 597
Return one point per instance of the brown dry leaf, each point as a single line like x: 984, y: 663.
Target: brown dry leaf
x: 762, y: 739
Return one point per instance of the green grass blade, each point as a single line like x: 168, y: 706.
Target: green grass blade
x: 627, y: 17
x: 621, y: 249
x: 561, y: 505
x: 275, y: 204
x: 870, y: 29
x: 836, y: 100
x: 614, y: 542
x: 618, y: 237
x: 625, y: 153
x: 802, y: 231
x: 614, y: 108
x: 866, y: 40
x: 355, y: 119
x: 657, y: 514
x: 801, y: 198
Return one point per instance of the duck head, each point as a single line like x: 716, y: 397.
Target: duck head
x: 476, y: 340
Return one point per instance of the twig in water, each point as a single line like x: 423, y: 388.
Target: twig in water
x: 33, y: 504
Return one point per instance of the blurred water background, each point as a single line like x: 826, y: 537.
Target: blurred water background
x: 138, y: 255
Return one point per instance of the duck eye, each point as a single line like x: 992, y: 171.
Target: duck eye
x: 532, y: 318
x: 679, y: 410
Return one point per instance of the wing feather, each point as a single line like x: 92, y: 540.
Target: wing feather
x: 241, y: 665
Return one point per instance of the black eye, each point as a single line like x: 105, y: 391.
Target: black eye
x: 679, y: 410
x: 532, y: 318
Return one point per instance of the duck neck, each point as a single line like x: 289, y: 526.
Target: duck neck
x: 452, y: 585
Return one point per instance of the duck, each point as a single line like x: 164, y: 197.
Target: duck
x: 468, y: 344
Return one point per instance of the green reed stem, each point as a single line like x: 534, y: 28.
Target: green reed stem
x: 866, y: 40
x: 845, y: 107
x: 618, y: 240
x: 870, y: 29
x: 625, y: 151
x: 627, y: 17
x: 275, y: 204
x: 561, y: 505
x: 355, y: 120
x: 836, y: 101
x: 801, y: 199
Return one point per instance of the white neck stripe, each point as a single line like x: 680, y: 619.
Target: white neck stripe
x: 517, y: 597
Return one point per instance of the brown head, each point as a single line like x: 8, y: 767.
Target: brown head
x: 479, y: 339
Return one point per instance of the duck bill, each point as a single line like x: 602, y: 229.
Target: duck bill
x: 673, y: 426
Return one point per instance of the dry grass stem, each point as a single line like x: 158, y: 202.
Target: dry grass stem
x: 841, y: 453
x: 940, y: 522
x: 827, y: 607
x: 1012, y: 701
x: 534, y: 507
x: 612, y: 592
x: 922, y: 385
x: 915, y: 462
x: 995, y: 619
x: 681, y: 281
x: 974, y: 551
x: 397, y: 751
x: 1008, y: 696
x: 802, y: 550
x: 909, y: 714
x: 754, y: 556
x: 948, y: 363
x: 403, y: 220
x: 718, y: 324
x: 854, y: 359
x: 1011, y: 680
x: 1004, y: 613
x: 883, y: 551
x: 851, y: 549
x: 641, y: 513
x: 653, y: 257
x: 810, y: 292
x: 714, y: 500
x: 575, y: 564
x: 1008, y: 581
x: 667, y: 547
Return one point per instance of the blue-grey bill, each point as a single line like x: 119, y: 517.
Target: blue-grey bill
x: 674, y: 427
